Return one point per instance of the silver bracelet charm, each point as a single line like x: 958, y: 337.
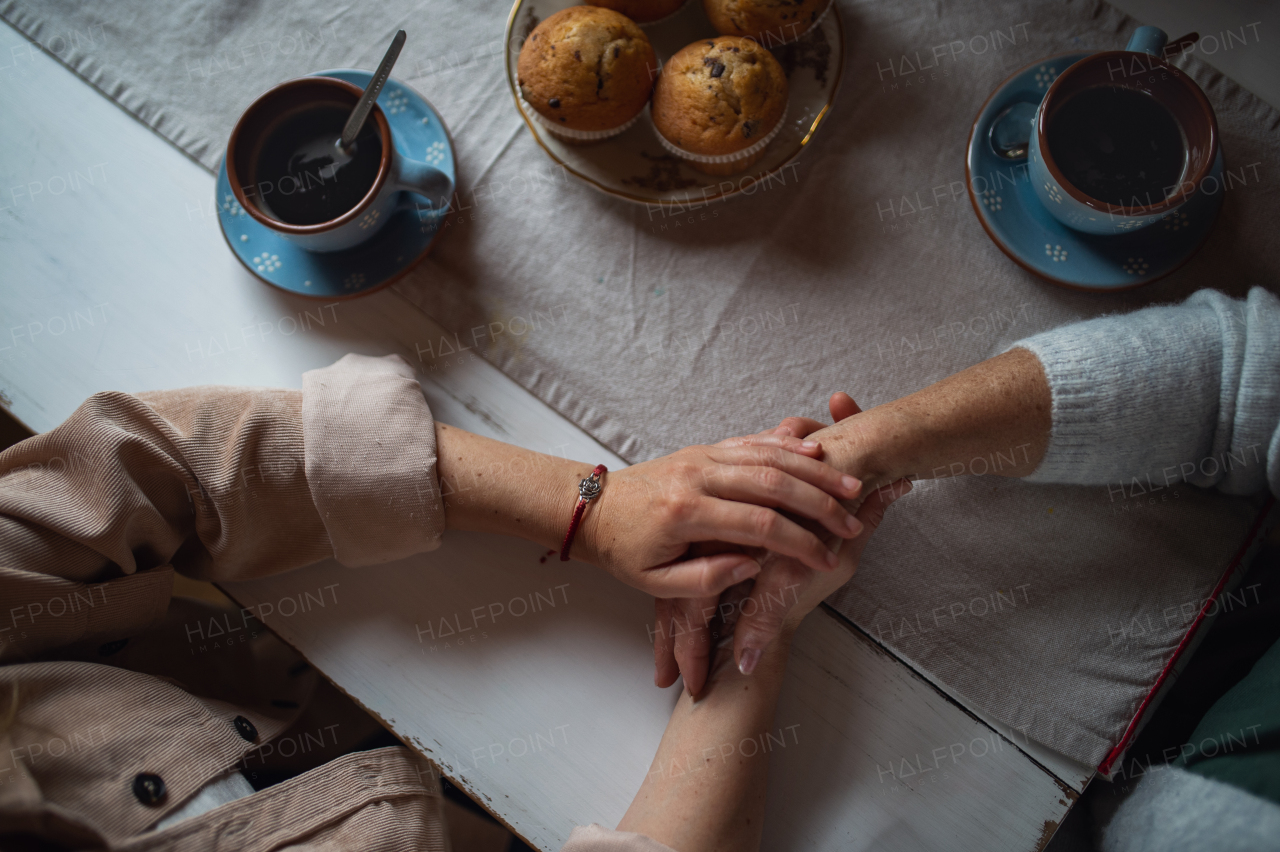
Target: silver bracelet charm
x: 589, y: 488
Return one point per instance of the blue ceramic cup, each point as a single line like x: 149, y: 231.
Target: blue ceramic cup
x: 1141, y: 68
x: 400, y: 182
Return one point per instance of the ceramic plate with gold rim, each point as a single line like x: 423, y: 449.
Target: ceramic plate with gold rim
x: 635, y: 166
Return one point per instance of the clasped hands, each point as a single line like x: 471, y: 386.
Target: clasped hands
x: 776, y: 510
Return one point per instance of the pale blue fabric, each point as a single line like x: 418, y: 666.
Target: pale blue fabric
x: 1171, y: 810
x: 1187, y: 392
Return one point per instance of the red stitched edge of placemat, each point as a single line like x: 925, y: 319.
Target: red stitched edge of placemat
x: 1131, y: 730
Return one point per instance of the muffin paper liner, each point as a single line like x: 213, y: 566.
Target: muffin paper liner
x: 570, y: 133
x: 723, y: 158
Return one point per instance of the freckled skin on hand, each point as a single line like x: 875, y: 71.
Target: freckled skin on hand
x: 1001, y: 404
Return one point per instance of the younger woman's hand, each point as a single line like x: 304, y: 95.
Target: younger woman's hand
x: 683, y: 643
x: 648, y: 515
x: 786, y: 591
x: 756, y: 612
x: 813, y: 588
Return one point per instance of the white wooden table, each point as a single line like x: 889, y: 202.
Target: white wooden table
x: 527, y: 683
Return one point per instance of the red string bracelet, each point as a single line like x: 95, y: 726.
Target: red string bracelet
x: 588, y: 490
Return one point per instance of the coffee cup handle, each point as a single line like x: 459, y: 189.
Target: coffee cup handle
x: 423, y: 180
x: 1148, y: 40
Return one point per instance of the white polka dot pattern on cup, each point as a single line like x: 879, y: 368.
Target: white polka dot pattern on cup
x: 396, y: 101
x: 266, y: 262
x: 1056, y: 253
x: 1135, y: 266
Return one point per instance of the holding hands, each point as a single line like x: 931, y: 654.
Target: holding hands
x: 785, y: 589
x: 993, y: 417
x: 771, y: 508
x: 647, y: 518
x: 686, y: 526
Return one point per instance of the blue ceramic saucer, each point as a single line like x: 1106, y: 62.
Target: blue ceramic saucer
x: 420, y: 134
x: 1017, y: 222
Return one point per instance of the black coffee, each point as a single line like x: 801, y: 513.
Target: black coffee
x: 1117, y: 145
x: 302, y: 179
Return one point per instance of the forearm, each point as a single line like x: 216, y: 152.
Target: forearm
x: 994, y: 417
x: 706, y: 787
x: 490, y: 486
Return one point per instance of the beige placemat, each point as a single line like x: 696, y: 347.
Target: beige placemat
x: 654, y: 330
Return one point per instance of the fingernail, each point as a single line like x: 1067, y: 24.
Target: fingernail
x: 855, y: 525
x: 745, y: 571
x: 850, y: 484
x: 782, y: 430
x: 813, y: 445
x: 749, y: 660
x: 832, y: 559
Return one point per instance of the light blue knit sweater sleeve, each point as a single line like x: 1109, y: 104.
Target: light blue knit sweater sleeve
x: 1187, y: 392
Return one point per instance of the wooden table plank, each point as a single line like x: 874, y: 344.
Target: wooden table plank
x: 124, y: 282
x: 534, y: 679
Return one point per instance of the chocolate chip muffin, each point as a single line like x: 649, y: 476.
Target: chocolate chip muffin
x: 641, y: 11
x: 719, y: 102
x: 586, y: 73
x: 770, y: 22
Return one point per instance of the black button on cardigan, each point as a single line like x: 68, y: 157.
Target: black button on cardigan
x: 246, y: 728
x: 148, y: 788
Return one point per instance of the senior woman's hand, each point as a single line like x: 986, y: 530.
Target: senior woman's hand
x: 682, y: 625
x: 777, y: 596
x: 991, y: 418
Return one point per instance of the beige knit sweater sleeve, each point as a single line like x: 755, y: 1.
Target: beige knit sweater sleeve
x: 218, y: 483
